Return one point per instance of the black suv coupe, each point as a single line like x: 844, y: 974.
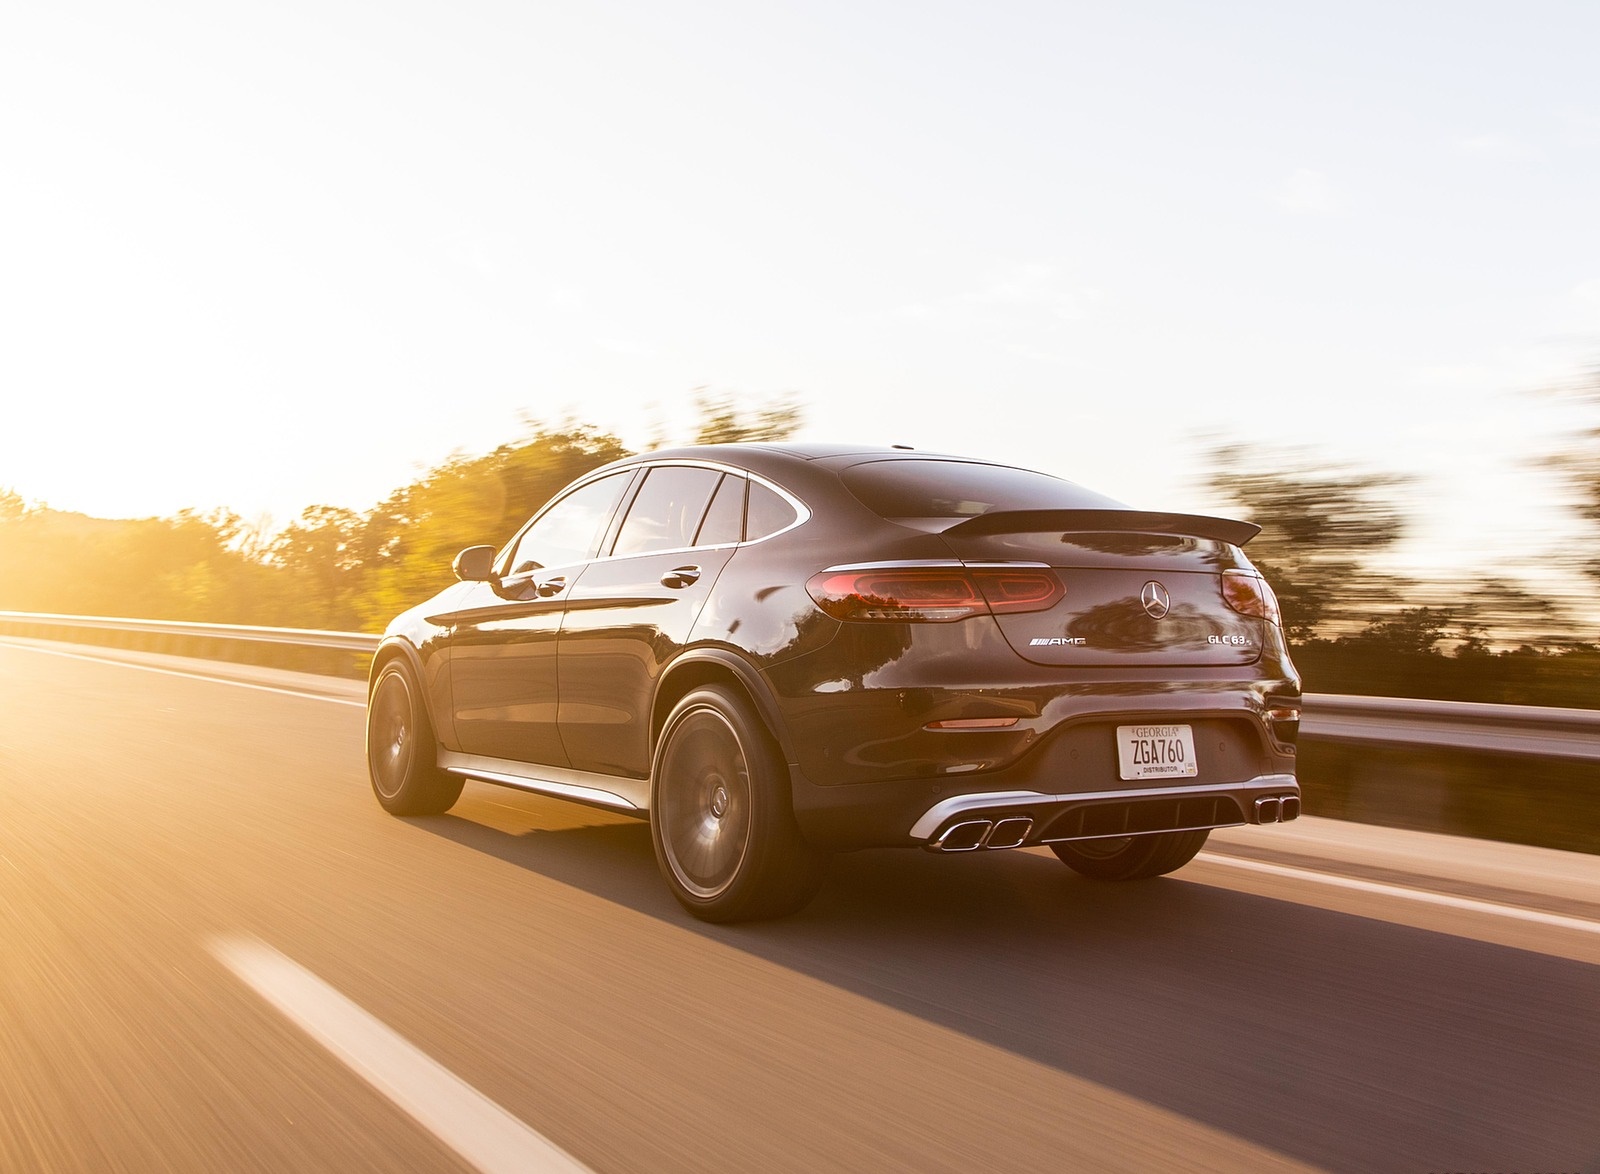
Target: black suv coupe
x: 774, y: 652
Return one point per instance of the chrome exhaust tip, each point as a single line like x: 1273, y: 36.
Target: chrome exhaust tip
x: 1290, y: 808
x: 1269, y: 809
x: 1009, y: 833
x: 963, y: 837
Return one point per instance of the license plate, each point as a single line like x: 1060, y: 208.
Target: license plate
x: 1156, y: 752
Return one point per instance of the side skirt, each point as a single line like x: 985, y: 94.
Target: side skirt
x: 628, y: 796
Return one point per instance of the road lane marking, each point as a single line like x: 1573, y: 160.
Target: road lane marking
x: 472, y: 1125
x: 1365, y: 886
x: 147, y: 668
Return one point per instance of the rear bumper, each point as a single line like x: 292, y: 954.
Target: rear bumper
x: 1067, y: 788
x: 1015, y: 819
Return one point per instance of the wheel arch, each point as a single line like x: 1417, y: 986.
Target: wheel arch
x: 707, y: 666
x: 392, y: 649
x: 432, y: 687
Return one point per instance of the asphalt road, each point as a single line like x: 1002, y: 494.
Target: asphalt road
x: 217, y: 953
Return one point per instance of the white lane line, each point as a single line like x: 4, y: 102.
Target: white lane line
x: 128, y: 664
x: 476, y: 1128
x: 1365, y: 886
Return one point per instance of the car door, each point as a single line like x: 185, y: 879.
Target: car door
x: 632, y: 611
x: 502, y: 661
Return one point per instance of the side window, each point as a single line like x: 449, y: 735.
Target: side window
x: 768, y: 513
x: 725, y: 519
x: 570, y: 531
x: 666, y: 512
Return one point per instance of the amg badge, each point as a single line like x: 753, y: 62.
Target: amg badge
x: 1055, y: 641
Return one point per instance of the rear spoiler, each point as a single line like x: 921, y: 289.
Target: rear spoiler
x: 1104, y: 521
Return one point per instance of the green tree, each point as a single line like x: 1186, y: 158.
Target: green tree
x: 407, y: 542
x: 1416, y: 631
x: 182, y: 567
x: 320, y: 552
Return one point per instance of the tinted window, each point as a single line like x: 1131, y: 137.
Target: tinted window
x: 570, y: 531
x: 768, y: 513
x: 725, y: 519
x: 666, y: 512
x: 956, y: 489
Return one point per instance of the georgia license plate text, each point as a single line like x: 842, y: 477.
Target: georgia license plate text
x: 1156, y: 752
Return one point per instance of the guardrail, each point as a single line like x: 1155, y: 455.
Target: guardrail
x: 333, y: 654
x: 1539, y: 731
x: 1536, y: 731
x: 295, y: 637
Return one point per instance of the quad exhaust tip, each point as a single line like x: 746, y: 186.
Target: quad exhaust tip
x: 1277, y: 808
x: 1008, y: 833
x: 964, y: 837
x: 972, y: 834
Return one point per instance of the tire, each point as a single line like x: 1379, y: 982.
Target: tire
x: 720, y: 814
x: 401, y: 750
x: 1132, y: 857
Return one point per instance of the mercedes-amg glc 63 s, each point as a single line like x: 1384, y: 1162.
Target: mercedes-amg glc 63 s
x: 774, y: 652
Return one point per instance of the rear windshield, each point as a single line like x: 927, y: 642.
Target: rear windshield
x: 922, y: 488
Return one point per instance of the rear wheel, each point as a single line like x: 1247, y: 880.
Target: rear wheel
x: 720, y: 814
x: 401, y: 751
x: 1131, y: 857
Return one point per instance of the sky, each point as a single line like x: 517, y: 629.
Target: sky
x: 260, y: 256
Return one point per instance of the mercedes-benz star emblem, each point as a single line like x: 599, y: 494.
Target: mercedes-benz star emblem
x: 1155, y: 599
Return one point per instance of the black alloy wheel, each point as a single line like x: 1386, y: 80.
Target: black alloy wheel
x: 401, y: 749
x: 720, y: 814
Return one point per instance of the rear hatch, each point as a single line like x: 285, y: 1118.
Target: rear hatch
x: 1139, y: 588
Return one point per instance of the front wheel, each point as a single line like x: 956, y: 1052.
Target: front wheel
x: 1131, y: 857
x: 401, y: 749
x: 720, y: 814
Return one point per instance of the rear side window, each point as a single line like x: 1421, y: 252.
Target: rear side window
x: 725, y: 519
x: 666, y: 513
x: 768, y: 512
x: 921, y: 488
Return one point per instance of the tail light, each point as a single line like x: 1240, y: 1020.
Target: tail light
x: 1285, y: 721
x: 1249, y: 595
x: 932, y: 594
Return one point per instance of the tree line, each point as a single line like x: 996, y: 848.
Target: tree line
x: 1353, y: 627
x: 332, y: 567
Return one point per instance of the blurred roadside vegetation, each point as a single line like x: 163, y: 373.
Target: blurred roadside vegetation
x: 330, y: 568
x: 1354, y: 626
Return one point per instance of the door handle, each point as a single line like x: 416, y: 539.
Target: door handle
x: 549, y: 587
x: 680, y: 576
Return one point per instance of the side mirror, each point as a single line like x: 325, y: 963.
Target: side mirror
x: 475, y: 565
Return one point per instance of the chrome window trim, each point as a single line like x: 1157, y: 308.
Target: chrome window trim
x: 802, y: 512
x: 937, y: 564
x: 503, y: 555
x: 618, y: 523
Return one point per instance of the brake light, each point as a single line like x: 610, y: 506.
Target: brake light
x: 933, y: 595
x: 1249, y: 594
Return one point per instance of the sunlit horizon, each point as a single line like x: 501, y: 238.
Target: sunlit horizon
x: 259, y: 262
